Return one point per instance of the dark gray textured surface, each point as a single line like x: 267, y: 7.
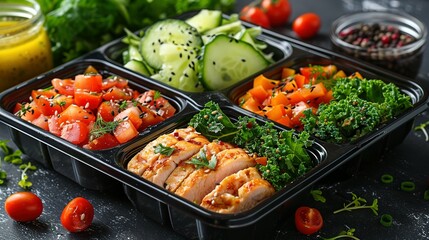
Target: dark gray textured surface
x: 116, y: 218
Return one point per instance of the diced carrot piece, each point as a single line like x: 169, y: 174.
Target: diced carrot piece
x: 300, y: 80
x: 287, y: 72
x: 295, y: 97
x: 339, y: 74
x: 314, y: 91
x: 290, y: 86
x: 279, y: 98
x: 276, y: 112
x: 356, y: 75
x: 265, y: 82
x: 285, y: 120
x: 251, y: 104
x: 259, y: 93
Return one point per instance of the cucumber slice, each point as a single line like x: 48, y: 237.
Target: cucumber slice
x: 226, y: 61
x: 137, y: 66
x: 167, y: 31
x: 206, y: 20
x: 180, y: 67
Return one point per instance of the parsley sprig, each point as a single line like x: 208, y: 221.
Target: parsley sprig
x: 317, y: 195
x: 359, y: 203
x: 164, y: 150
x: 344, y: 234
x: 201, y: 160
x: 422, y: 127
x: 24, y: 182
x: 102, y: 127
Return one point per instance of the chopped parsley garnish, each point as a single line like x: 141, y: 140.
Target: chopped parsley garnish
x: 202, y: 161
x: 164, y: 150
x: 102, y: 127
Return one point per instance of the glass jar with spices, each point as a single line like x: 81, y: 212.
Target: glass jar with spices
x: 25, y: 49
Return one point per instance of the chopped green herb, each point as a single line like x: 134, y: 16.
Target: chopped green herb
x: 422, y: 127
x: 408, y: 186
x: 317, y: 195
x: 386, y: 178
x: 4, y: 147
x: 24, y: 182
x: 359, y: 203
x: 164, y: 150
x: 386, y: 220
x: 102, y: 127
x: 202, y: 161
x: 3, y: 174
x: 345, y: 234
x: 156, y: 95
x: 14, y: 158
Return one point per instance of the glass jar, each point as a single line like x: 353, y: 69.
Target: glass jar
x: 404, y: 59
x: 25, y: 49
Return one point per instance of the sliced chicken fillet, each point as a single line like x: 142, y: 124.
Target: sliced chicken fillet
x: 147, y: 156
x: 238, y: 192
x: 184, y: 169
x: 202, y: 181
x: 189, y: 142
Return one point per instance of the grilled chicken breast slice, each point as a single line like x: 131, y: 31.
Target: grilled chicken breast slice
x: 184, y: 169
x: 238, y: 192
x: 189, y: 142
x: 202, y: 181
x: 147, y: 156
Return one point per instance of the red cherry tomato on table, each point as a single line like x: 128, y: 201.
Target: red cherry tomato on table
x: 255, y: 15
x: 77, y: 215
x: 307, y: 25
x: 23, y: 206
x: 308, y: 220
x: 278, y: 12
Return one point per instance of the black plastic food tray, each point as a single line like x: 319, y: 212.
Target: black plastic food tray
x: 105, y: 170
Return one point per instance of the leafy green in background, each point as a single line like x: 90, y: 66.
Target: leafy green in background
x: 76, y: 27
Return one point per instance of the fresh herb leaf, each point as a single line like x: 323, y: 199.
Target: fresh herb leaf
x: 164, y: 150
x: 24, y: 182
x: 422, y: 127
x: 344, y: 234
x: 201, y: 160
x: 14, y: 158
x: 156, y: 95
x: 102, y: 127
x: 4, y: 147
x: 317, y: 195
x: 359, y: 203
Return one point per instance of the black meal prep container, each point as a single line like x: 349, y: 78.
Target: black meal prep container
x: 106, y: 170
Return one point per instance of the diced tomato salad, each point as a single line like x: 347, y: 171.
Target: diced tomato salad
x: 284, y: 100
x: 94, y: 112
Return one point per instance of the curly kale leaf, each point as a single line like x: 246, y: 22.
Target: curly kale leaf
x: 360, y: 106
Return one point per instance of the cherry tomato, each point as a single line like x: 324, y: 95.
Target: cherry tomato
x: 77, y: 215
x: 23, y: 206
x: 255, y: 15
x: 308, y: 220
x: 307, y: 25
x: 278, y: 12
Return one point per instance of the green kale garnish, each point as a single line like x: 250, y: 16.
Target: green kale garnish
x: 359, y: 106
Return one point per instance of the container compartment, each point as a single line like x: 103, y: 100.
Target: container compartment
x: 194, y: 221
x: 280, y: 49
x: 52, y: 151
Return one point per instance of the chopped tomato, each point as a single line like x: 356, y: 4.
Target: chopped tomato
x: 149, y: 118
x: 86, y: 99
x: 105, y: 141
x: 28, y: 111
x: 308, y: 220
x: 48, y: 93
x: 115, y: 93
x: 63, y: 86
x: 108, y: 110
x: 287, y: 72
x: 41, y: 122
x: 125, y: 131
x: 114, y: 81
x: 53, y: 105
x: 54, y: 126
x: 75, y: 113
x: 91, y: 82
x: 157, y: 103
x: 133, y: 114
x: 76, y: 132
